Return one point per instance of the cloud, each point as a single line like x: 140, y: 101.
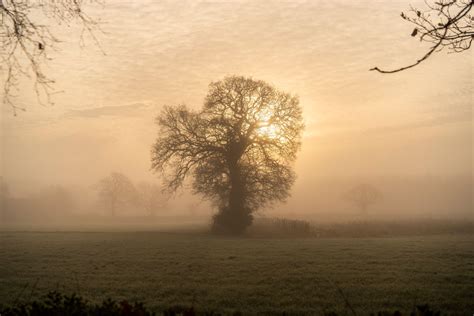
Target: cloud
x: 127, y: 110
x: 456, y: 117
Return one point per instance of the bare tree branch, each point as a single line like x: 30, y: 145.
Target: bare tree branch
x: 445, y: 24
x: 26, y: 42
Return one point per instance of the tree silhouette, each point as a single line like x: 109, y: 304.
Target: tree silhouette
x: 363, y: 196
x: 150, y: 197
x: 238, y: 149
x: 55, y: 199
x: 4, y: 194
x: 115, y: 190
x: 445, y: 24
x: 26, y: 42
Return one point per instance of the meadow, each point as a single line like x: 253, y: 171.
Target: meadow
x: 251, y: 275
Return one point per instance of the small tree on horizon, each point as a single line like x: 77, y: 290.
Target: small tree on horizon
x: 4, y: 194
x: 116, y: 190
x: 238, y: 149
x: 363, y: 196
x: 55, y: 199
x: 150, y: 197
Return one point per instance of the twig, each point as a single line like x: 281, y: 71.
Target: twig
x: 339, y: 290
x: 21, y: 293
x: 348, y: 304
x: 33, y: 289
x: 452, y: 30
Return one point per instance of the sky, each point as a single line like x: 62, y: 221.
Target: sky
x: 359, y: 124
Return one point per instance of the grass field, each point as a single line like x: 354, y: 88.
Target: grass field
x: 300, y: 276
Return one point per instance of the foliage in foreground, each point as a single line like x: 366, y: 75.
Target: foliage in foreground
x: 56, y: 304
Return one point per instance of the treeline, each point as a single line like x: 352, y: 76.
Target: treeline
x: 112, y: 195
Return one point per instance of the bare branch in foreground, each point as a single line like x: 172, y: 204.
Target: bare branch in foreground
x: 26, y: 42
x: 445, y: 24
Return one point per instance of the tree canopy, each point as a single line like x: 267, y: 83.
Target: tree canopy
x: 238, y: 149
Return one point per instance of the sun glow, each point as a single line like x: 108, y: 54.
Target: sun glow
x: 266, y: 127
x: 268, y: 131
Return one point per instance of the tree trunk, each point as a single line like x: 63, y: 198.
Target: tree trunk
x: 234, y: 216
x: 112, y: 207
x: 236, y: 198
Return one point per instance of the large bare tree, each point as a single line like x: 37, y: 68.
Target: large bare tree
x: 27, y: 38
x: 239, y: 148
x: 445, y: 24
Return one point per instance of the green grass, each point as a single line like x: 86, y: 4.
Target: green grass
x: 300, y: 276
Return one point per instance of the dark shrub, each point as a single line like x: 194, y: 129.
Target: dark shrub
x: 57, y: 304
x: 281, y: 227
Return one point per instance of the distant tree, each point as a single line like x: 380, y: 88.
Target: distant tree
x: 150, y: 197
x: 239, y: 148
x: 116, y: 190
x: 54, y: 199
x: 444, y: 24
x: 26, y: 39
x: 363, y: 196
x: 4, y: 191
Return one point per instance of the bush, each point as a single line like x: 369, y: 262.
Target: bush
x: 395, y: 228
x: 280, y: 227
x: 57, y: 304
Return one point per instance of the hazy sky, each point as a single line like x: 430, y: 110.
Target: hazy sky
x: 359, y: 123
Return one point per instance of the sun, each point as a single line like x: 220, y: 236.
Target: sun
x: 268, y: 131
x: 266, y: 127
